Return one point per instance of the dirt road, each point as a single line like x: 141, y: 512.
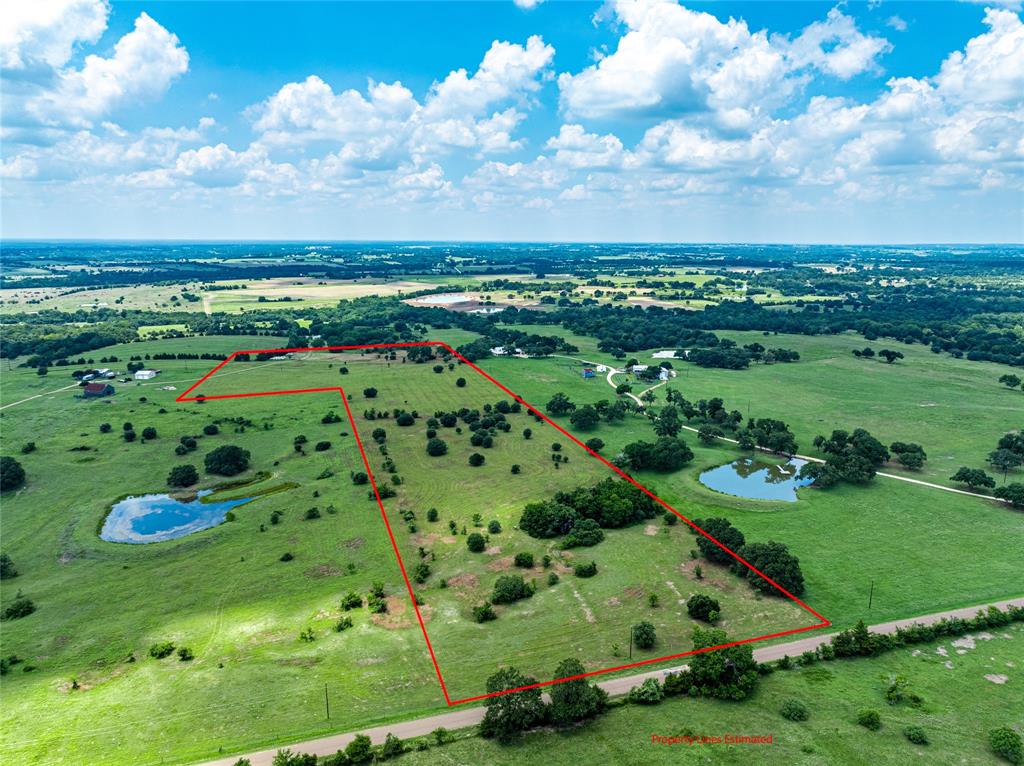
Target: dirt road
x: 469, y: 716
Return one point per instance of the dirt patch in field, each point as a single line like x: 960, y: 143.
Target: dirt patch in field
x: 651, y: 530
x: 324, y: 570
x: 500, y: 565
x: 587, y: 612
x: 464, y: 581
x: 430, y: 538
x: 613, y: 601
x: 494, y: 550
x: 299, y: 662
x: 354, y: 543
x: 633, y: 591
x: 398, y: 616
x: 996, y: 678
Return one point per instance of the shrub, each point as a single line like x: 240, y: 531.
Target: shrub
x: 22, y: 606
x: 510, y: 588
x: 476, y: 460
x: 12, y: 475
x: 527, y: 433
x: 210, y: 429
x: 161, y: 650
x: 595, y: 444
x: 794, y: 710
x: 185, y: 654
x: 869, y: 719
x: 644, y: 635
x: 585, y: 532
x: 647, y: 693
x: 360, y: 749
x: 351, y: 600
x: 370, y: 393
x: 484, y: 612
x: 343, y: 624
x: 322, y: 446
x: 516, y: 468
x: 421, y: 572
x: 460, y: 382
x: 1007, y: 744
x: 494, y: 527
x: 228, y: 460
x: 393, y: 746
x: 104, y: 428
x: 436, y: 447
x: 149, y: 432
x: 524, y: 560
x: 671, y: 519
x: 585, y: 570
x: 405, y: 419
x: 128, y: 436
x: 183, y: 476
x: 476, y: 543
x: 701, y: 607
x: 916, y: 735
x: 286, y: 556
x: 552, y: 579
x: 312, y: 513
x: 359, y: 477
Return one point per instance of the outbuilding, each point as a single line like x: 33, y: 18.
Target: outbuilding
x: 96, y: 390
x: 146, y: 374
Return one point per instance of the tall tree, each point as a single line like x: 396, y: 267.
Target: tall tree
x: 509, y: 714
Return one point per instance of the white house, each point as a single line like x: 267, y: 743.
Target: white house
x: 146, y: 374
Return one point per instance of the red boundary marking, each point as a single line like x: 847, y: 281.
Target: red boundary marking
x: 184, y: 397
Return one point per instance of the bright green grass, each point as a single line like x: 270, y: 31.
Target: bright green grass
x: 960, y: 708
x: 955, y: 409
x: 925, y: 549
x: 585, y: 618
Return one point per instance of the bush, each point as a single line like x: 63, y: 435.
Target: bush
x: 322, y: 446
x: 510, y: 588
x: 405, y: 419
x: 644, y: 635
x: 647, y: 693
x: 183, y: 476
x: 494, y: 527
x: 436, y: 447
x: 595, y: 444
x: 286, y: 556
x: 432, y: 514
x: 312, y: 513
x: 104, y: 428
x: 12, y: 475
x: 484, y: 612
x: 476, y: 543
x: 128, y: 436
x: 869, y: 719
x: 228, y: 460
x: 393, y: 746
x: 22, y: 606
x: 460, y: 382
x: 210, y: 429
x: 585, y: 570
x: 476, y: 460
x: 370, y: 393
x: 185, y: 654
x: 358, y: 477
x: 701, y: 607
x: 524, y: 560
x: 916, y: 735
x: 343, y: 624
x: 149, y: 432
x: 1007, y: 744
x: 351, y: 600
x: 794, y: 710
x: 360, y: 749
x: 516, y: 468
x: 161, y: 650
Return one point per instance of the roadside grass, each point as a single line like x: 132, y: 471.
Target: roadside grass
x: 960, y: 707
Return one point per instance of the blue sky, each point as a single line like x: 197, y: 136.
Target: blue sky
x: 627, y: 120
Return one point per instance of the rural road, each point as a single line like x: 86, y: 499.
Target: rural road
x: 463, y: 717
x: 38, y: 396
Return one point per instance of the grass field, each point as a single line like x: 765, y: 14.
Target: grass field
x: 224, y: 593
x: 585, y: 618
x: 845, y: 537
x: 960, y: 706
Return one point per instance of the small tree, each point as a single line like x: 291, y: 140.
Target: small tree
x: 794, y: 710
x: 360, y: 749
x: 359, y: 477
x: 595, y: 444
x: 436, y: 447
x: 975, y: 478
x: 183, y: 476
x: 12, y: 475
x: 644, y: 635
x: 524, y: 560
x: 1007, y: 744
x: 392, y: 747
x: 228, y: 460
x: 702, y: 607
x: 869, y: 719
x: 460, y: 382
x: 476, y: 460
x: 510, y: 714
x: 476, y: 543
x: 370, y: 393
x: 649, y: 692
x: 576, y: 700
x: 148, y: 433
x: 7, y: 568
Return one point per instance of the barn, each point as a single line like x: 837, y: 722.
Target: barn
x: 95, y: 390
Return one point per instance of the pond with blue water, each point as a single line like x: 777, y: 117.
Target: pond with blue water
x: 156, y: 518
x: 756, y: 480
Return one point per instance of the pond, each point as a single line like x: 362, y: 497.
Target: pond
x: 155, y: 518
x: 444, y: 299
x: 756, y: 480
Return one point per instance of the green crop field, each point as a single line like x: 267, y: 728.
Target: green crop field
x: 964, y: 686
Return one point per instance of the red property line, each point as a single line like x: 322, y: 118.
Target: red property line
x: 184, y: 397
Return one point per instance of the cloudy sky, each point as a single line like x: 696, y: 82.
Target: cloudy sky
x: 632, y: 120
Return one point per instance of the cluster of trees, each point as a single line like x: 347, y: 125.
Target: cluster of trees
x: 888, y: 355
x: 12, y: 474
x: 509, y: 713
x: 579, y: 516
x: 667, y: 453
x: 772, y: 559
x: 851, y: 457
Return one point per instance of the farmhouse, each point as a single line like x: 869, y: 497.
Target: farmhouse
x: 96, y: 390
x: 146, y: 374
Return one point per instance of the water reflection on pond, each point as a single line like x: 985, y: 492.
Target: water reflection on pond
x: 154, y: 518
x: 755, y: 480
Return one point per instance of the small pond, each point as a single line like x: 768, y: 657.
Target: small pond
x: 444, y: 299
x: 155, y: 518
x: 755, y: 480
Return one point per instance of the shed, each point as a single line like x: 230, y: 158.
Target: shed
x: 146, y: 374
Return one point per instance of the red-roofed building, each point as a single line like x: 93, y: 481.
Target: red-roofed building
x: 97, y: 389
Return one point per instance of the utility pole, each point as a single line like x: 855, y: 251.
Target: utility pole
x: 871, y: 594
x: 630, y: 643
x: 327, y: 703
